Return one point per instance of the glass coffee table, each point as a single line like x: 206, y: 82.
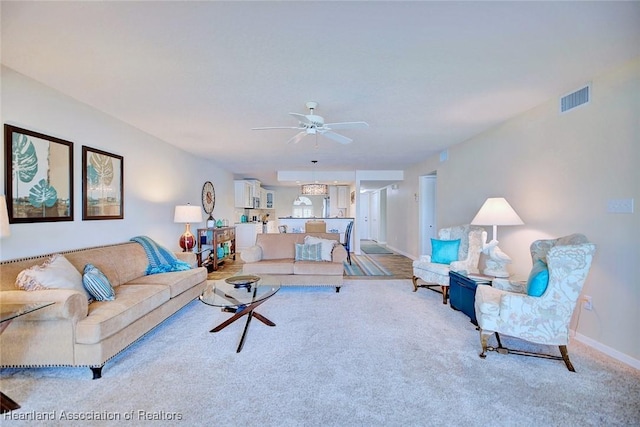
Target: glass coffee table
x: 240, y: 295
x: 8, y: 312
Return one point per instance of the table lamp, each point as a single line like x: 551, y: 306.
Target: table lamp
x: 495, y: 211
x: 187, y: 214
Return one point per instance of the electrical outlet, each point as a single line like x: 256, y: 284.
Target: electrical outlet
x: 587, y: 303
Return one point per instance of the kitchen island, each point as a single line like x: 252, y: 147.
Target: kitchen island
x: 334, y: 225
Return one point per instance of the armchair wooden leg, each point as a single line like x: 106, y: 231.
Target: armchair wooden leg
x: 484, y: 341
x: 445, y: 294
x: 565, y: 357
x: 415, y: 283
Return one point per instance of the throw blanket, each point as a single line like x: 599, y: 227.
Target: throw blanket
x: 161, y: 260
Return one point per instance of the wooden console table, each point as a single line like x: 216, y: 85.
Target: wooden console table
x: 208, y: 242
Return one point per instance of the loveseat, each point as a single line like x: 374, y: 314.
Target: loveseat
x: 74, y: 332
x: 274, y: 254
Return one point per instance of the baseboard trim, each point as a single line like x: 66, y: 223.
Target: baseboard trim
x: 398, y: 251
x: 619, y: 356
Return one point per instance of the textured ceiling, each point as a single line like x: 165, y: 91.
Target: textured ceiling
x: 424, y: 75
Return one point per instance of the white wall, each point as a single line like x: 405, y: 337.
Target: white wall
x: 557, y: 171
x: 157, y: 176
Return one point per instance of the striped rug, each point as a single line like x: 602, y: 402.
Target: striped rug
x: 362, y: 265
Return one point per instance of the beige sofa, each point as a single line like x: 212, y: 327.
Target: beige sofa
x: 74, y: 333
x: 274, y: 255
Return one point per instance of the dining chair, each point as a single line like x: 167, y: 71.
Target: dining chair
x: 347, y: 241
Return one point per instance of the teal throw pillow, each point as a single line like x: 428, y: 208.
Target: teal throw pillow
x: 538, y: 279
x: 444, y: 251
x: 309, y: 252
x: 97, y: 284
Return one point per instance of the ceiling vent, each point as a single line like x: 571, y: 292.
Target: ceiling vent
x: 575, y: 99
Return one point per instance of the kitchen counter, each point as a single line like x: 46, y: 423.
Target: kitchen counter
x: 296, y: 225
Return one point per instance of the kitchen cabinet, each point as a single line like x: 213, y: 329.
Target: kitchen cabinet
x: 269, y: 200
x: 246, y: 234
x: 343, y: 197
x: 243, y: 194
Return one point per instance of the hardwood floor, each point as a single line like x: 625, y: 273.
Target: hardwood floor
x: 399, y: 265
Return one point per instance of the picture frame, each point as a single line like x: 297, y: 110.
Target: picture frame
x: 102, y: 185
x: 38, y: 176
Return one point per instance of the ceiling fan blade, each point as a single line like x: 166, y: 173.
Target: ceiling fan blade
x: 336, y: 137
x: 302, y: 118
x: 297, y: 137
x: 347, y: 125
x: 277, y: 127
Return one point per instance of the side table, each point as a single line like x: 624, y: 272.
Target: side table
x: 462, y: 292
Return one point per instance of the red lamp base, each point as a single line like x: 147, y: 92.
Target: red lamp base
x: 187, y: 242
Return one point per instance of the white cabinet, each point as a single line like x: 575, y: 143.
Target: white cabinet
x: 338, y: 200
x: 333, y: 201
x: 243, y: 194
x: 343, y: 196
x: 272, y: 227
x: 269, y: 200
x: 246, y: 234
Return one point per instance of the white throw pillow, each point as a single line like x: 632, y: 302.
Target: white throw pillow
x: 327, y: 245
x: 55, y: 273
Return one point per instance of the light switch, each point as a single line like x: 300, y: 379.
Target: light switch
x: 620, y: 206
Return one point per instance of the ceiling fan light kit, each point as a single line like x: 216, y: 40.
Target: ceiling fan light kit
x: 311, y: 124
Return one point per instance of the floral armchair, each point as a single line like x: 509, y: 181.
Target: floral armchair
x: 436, y: 274
x: 508, y: 308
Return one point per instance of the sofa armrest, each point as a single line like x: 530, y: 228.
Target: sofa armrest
x: 251, y: 254
x: 188, y: 257
x: 338, y: 254
x: 69, y: 304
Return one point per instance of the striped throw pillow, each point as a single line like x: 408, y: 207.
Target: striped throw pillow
x: 309, y: 252
x: 97, y: 284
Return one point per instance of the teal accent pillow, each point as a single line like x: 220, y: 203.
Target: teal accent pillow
x: 444, y: 251
x: 97, y: 284
x: 309, y: 252
x: 538, y: 279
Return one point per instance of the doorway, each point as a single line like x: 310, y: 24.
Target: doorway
x: 427, y: 214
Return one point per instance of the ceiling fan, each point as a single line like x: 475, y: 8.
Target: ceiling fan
x: 311, y: 124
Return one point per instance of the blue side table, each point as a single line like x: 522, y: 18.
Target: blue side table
x: 462, y: 292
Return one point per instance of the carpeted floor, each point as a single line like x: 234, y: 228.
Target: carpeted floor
x: 375, y: 354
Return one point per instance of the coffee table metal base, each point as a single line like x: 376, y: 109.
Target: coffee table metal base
x: 250, y: 313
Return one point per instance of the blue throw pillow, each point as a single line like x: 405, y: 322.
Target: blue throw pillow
x: 444, y: 251
x: 97, y: 284
x: 538, y: 279
x: 309, y: 252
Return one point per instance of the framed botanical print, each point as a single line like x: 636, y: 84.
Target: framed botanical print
x: 102, y: 185
x: 38, y: 176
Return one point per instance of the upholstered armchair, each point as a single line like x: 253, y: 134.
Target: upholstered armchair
x: 540, y: 310
x: 436, y: 274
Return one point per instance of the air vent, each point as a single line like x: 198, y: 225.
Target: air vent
x: 575, y: 99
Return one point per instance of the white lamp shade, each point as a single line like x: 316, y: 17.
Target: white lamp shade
x: 4, y: 218
x: 496, y: 211
x: 187, y: 214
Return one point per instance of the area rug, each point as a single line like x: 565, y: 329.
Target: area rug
x: 374, y: 354
x: 374, y: 248
x: 362, y: 265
